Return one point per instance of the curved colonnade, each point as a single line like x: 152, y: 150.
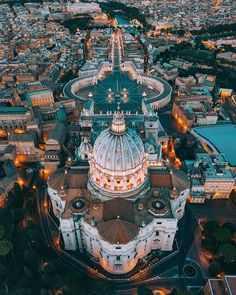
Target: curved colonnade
x: 155, y: 103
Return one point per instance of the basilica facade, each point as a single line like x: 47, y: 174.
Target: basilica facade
x: 114, y: 203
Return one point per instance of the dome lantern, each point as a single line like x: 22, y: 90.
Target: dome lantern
x: 118, y: 122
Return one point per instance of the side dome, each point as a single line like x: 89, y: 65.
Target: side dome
x: 118, y: 160
x: 84, y: 150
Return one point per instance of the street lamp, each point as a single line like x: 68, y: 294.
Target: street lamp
x: 117, y: 94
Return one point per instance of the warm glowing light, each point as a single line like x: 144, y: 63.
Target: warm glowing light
x: 19, y: 131
x: 21, y: 182
x: 224, y: 93
x: 2, y: 203
x: 3, y: 133
x: 159, y: 292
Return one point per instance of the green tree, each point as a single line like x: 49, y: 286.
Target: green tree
x: 183, y: 292
x: 3, y: 270
x: 30, y: 259
x: 57, y: 282
x: 143, y: 290
x: 5, y: 247
x: 30, y: 224
x: 210, y: 226
x: 214, y: 268
x: 44, y: 291
x: 17, y: 188
x: 29, y: 274
x: 228, y: 251
x: 221, y: 234
x: 230, y: 226
x: 209, y: 243
x: 45, y: 280
x: 2, y: 231
x: 49, y: 268
x: 18, y: 214
x: 97, y: 287
x: 75, y: 283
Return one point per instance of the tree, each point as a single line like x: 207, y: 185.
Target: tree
x: 44, y: 291
x: 221, y: 234
x: 183, y: 292
x: 230, y: 226
x: 3, y: 270
x: 214, y: 268
x: 57, y: 282
x: 209, y: 244
x: 97, y: 287
x: 29, y: 274
x: 45, y: 280
x: 76, y: 284
x: 143, y: 290
x: 2, y: 231
x: 49, y: 268
x: 210, y: 226
x: 18, y: 214
x: 17, y: 188
x: 30, y: 224
x: 5, y: 247
x: 30, y: 258
x: 228, y: 251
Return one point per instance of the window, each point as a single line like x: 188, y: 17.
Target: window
x: 157, y: 233
x: 118, y: 248
x: 118, y: 258
x: 117, y: 266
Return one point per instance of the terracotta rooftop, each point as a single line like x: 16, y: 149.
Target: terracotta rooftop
x: 118, y: 231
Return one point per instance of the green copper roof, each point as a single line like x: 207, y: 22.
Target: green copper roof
x: 19, y: 110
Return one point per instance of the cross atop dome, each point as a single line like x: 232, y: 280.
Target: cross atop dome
x: 118, y: 122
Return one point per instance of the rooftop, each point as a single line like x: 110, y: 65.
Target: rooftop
x: 222, y: 137
x: 15, y: 110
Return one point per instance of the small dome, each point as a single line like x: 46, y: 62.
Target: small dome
x: 83, y: 151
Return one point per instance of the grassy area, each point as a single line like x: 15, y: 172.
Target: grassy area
x: 80, y: 22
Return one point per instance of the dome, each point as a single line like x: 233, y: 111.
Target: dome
x: 118, y: 153
x: 118, y: 161
x: 83, y: 151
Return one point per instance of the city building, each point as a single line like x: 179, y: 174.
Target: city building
x: 218, y: 138
x: 26, y: 144
x: 224, y: 286
x: 12, y: 118
x: 8, y: 176
x: 117, y: 209
x: 56, y: 137
x: 38, y: 95
x: 210, y: 178
x: 189, y: 114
